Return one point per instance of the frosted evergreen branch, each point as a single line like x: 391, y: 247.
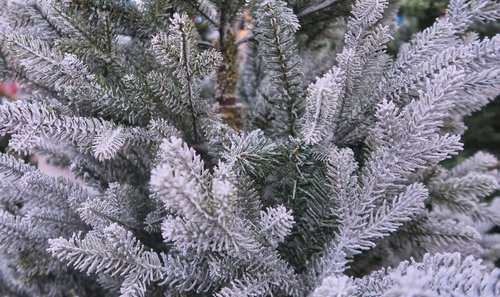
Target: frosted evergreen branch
x: 276, y: 223
x: 203, y: 7
x: 178, y: 191
x: 30, y: 51
x: 252, y: 153
x: 11, y: 193
x: 423, y: 45
x: 68, y: 77
x: 463, y: 188
x: 437, y: 233
x: 358, y: 230
x: 119, y: 205
x: 362, y: 51
x: 188, y: 198
x: 365, y: 13
x: 469, y: 59
x: 160, y: 129
x: 45, y: 189
x: 322, y: 102
x: 47, y: 17
x: 178, y: 51
x: 54, y: 221
x: 480, y: 162
x: 223, y: 193
x: 17, y: 233
x: 442, y: 34
x: 207, y: 208
x: 276, y: 26
x: 462, y: 13
x: 342, y: 179
x: 89, y: 134
x: 35, y: 189
x: 12, y: 168
x: 419, y: 120
x: 114, y: 252
x: 175, y: 152
x: 463, y: 277
x: 183, y: 186
x: 433, y: 269
x: 463, y: 194
x: 99, y: 39
x: 246, y: 286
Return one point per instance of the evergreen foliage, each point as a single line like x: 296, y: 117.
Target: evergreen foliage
x: 334, y: 188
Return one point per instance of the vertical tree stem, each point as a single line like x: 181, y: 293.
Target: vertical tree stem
x: 227, y: 73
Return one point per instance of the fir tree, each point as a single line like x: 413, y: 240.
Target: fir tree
x: 197, y: 176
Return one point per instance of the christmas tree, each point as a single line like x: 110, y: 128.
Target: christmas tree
x: 299, y: 160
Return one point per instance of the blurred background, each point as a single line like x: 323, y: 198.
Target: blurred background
x: 483, y: 131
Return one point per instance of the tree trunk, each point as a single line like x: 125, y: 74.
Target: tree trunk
x: 227, y: 74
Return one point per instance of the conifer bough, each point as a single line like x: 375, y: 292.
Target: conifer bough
x: 332, y: 187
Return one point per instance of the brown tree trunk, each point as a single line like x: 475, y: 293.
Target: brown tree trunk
x: 227, y: 74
